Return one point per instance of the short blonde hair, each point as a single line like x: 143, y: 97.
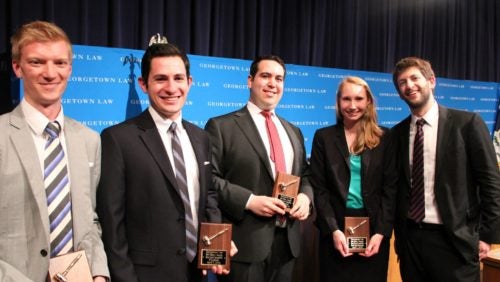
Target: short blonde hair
x: 37, y: 31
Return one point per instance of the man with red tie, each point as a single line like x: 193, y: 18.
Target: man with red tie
x: 249, y: 147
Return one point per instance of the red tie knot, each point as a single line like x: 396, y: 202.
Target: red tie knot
x: 266, y: 114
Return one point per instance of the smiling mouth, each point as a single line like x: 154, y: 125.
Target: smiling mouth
x: 48, y: 84
x: 170, y: 98
x: 412, y: 94
x: 352, y: 113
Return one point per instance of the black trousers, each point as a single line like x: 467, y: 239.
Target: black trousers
x: 277, y: 267
x: 428, y: 255
x: 355, y: 268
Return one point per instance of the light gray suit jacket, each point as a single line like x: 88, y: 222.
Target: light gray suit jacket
x: 24, y: 223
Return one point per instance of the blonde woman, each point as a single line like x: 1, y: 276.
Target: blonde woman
x: 353, y: 174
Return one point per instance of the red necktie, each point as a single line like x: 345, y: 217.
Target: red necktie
x: 277, y: 155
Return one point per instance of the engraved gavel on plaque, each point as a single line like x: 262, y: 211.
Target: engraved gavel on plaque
x: 352, y: 230
x: 208, y: 239
x: 283, y: 185
x: 61, y: 277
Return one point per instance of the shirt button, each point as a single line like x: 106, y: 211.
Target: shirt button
x: 181, y: 251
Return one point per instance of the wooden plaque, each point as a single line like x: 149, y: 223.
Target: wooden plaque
x: 72, y: 267
x: 286, y: 188
x: 357, y: 233
x: 214, y: 245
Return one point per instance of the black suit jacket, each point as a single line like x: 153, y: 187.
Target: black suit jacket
x: 241, y: 168
x: 330, y: 178
x: 141, y: 212
x: 467, y: 181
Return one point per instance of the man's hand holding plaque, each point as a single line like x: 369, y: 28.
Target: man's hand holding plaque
x: 70, y: 267
x: 357, y: 233
x: 286, y: 188
x: 214, y: 245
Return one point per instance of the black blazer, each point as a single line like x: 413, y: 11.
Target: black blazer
x: 141, y: 212
x: 467, y: 181
x: 330, y: 178
x: 241, y: 167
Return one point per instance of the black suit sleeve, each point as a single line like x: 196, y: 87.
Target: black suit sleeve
x: 484, y: 168
x: 387, y: 210
x: 232, y: 198
x: 111, y: 209
x: 326, y: 217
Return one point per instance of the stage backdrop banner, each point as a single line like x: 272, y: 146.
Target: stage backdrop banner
x: 496, y: 134
x: 103, y: 91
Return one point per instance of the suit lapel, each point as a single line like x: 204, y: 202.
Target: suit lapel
x: 366, y: 157
x: 249, y: 130
x: 404, y: 141
x: 296, y: 146
x: 78, y: 163
x: 148, y: 133
x: 24, y: 146
x: 201, y: 157
x: 341, y: 144
x: 444, y: 128
x: 197, y: 144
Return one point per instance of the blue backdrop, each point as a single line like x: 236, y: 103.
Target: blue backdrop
x: 103, y: 91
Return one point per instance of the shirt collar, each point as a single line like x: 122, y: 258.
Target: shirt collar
x: 254, y: 110
x: 164, y: 123
x: 431, y: 117
x: 38, y: 121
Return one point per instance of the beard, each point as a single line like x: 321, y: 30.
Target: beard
x: 421, y: 101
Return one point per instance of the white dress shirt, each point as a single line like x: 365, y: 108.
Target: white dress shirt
x: 430, y: 129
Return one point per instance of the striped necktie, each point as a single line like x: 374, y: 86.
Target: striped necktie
x: 180, y: 175
x: 417, y: 201
x: 57, y: 189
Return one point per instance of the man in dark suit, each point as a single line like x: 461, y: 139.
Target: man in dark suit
x: 150, y: 206
x: 443, y: 231
x: 42, y: 58
x: 244, y: 175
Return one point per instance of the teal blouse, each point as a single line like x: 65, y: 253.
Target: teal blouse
x: 354, y: 199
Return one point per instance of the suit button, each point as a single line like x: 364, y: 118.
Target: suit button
x: 43, y: 253
x: 181, y: 251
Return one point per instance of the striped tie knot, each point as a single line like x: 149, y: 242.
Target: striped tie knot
x: 53, y: 129
x: 172, y: 128
x: 420, y: 122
